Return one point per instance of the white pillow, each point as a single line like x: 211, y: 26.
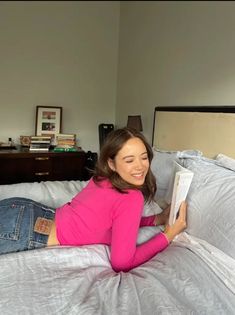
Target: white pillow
x: 162, y: 167
x: 50, y: 193
x: 211, y: 204
x: 225, y: 161
x: 151, y: 208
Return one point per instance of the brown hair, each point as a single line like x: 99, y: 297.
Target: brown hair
x: 112, y: 145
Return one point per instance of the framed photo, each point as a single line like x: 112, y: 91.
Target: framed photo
x: 48, y: 120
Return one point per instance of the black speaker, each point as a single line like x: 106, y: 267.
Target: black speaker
x: 91, y: 159
x: 104, y: 130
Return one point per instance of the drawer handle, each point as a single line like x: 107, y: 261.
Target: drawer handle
x: 42, y: 158
x: 42, y: 173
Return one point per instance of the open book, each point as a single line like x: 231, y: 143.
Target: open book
x: 178, y: 189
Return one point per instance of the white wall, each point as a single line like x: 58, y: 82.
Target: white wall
x: 174, y: 53
x: 58, y: 53
x: 65, y: 53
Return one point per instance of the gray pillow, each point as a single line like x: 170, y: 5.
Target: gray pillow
x: 211, y: 204
x: 162, y: 167
x: 225, y: 161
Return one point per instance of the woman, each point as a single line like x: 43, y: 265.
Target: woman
x: 107, y: 211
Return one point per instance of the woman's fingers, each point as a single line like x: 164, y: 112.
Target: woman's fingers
x: 183, y: 215
x: 179, y: 225
x: 183, y: 210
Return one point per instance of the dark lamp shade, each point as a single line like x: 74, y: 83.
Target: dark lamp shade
x: 135, y: 122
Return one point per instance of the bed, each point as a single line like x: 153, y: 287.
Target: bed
x: 194, y: 275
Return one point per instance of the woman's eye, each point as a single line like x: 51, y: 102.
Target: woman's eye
x: 129, y: 161
x: 145, y: 158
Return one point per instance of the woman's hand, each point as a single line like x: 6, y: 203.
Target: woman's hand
x: 179, y: 225
x: 162, y: 218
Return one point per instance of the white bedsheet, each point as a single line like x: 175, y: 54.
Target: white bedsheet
x: 50, y: 193
x: 79, y: 280
x: 221, y: 264
x: 189, y: 277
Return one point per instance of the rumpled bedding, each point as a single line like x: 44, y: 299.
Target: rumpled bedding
x: 79, y: 280
x: 190, y: 277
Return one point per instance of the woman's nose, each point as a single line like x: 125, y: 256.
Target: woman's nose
x: 139, y: 164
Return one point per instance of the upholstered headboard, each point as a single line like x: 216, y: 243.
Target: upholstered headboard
x: 210, y: 129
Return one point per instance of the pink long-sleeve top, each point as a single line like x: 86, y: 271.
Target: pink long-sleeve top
x: 99, y: 214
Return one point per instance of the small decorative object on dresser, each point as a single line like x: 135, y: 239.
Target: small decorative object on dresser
x: 7, y: 145
x: 25, y: 141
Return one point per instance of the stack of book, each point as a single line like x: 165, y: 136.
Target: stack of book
x: 65, y: 142
x: 40, y: 143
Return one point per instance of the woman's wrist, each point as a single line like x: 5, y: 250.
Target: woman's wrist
x: 169, y: 236
x: 160, y: 219
x: 156, y: 220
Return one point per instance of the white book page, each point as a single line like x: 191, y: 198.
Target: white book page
x: 182, y: 181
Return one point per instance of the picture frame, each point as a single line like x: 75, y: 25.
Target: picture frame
x: 48, y: 120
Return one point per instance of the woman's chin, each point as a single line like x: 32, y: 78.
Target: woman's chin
x: 138, y: 183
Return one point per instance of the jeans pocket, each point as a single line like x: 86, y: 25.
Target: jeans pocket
x: 10, y: 221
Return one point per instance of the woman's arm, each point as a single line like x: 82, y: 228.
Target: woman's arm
x: 125, y: 254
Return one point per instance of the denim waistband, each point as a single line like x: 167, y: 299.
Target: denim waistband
x: 23, y: 201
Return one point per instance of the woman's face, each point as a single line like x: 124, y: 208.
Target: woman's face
x: 131, y: 162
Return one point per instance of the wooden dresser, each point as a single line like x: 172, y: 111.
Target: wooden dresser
x: 20, y: 165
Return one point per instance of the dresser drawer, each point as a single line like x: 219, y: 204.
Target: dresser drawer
x: 15, y: 170
x: 68, y: 167
x: 42, y: 168
x: 18, y: 166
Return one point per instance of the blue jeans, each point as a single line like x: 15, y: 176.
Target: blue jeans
x: 17, y: 221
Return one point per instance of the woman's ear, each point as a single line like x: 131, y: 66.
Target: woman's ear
x: 111, y: 164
